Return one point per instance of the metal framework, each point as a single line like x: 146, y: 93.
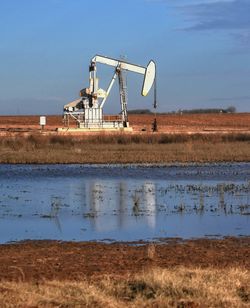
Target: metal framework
x: 87, y: 111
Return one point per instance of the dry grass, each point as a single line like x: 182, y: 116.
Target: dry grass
x: 149, y: 148
x: 178, y: 287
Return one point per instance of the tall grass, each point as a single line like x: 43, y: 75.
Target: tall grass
x: 39, y: 140
x: 122, y: 148
x: 177, y: 287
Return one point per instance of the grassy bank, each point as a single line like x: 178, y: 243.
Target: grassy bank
x: 177, y: 287
x: 150, y: 148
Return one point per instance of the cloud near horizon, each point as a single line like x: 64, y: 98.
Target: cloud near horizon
x: 220, y: 15
x: 230, y: 16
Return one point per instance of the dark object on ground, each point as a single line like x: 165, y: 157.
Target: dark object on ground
x: 154, y: 126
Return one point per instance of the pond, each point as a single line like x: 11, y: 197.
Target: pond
x: 123, y: 203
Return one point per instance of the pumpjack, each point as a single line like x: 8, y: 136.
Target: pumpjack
x: 87, y: 111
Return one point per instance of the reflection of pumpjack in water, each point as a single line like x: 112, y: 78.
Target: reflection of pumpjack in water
x: 136, y: 203
x: 96, y: 198
x: 100, y: 204
x: 149, y: 192
x: 102, y: 200
x: 222, y: 198
x: 144, y: 202
x: 122, y: 203
x: 55, y: 207
x: 107, y: 205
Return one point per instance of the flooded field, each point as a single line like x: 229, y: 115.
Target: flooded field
x: 123, y: 203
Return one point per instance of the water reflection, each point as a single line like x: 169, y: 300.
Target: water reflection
x: 111, y: 204
x: 85, y: 208
x: 56, y: 204
x: 202, y: 203
x: 149, y: 192
x: 122, y: 196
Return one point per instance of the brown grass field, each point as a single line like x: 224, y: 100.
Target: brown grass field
x: 194, y: 273
x: 181, y: 138
x: 177, y: 287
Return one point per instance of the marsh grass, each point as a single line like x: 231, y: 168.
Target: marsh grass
x: 177, y: 287
x: 125, y: 148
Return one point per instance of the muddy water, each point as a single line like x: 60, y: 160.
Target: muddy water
x: 115, y: 202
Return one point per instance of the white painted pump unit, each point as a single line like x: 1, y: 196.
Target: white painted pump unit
x: 88, y: 109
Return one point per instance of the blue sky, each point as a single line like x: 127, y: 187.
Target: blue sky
x: 202, y: 51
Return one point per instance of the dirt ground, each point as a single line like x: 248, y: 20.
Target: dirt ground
x: 39, y: 260
x: 168, y: 123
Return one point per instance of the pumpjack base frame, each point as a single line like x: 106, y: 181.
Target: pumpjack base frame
x: 89, y: 130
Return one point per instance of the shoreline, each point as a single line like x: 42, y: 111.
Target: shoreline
x: 145, y: 165
x: 44, y: 259
x: 49, y: 259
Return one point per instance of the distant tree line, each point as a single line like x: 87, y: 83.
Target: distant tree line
x: 230, y: 109
x: 140, y: 111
